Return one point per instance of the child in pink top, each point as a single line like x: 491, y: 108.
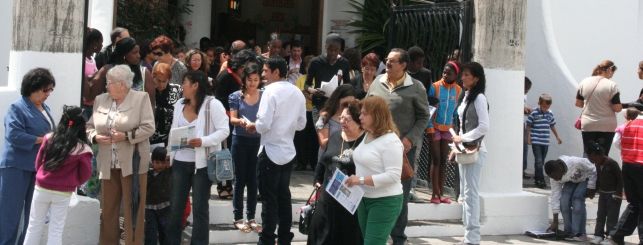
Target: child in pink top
x: 63, y: 163
x: 630, y: 114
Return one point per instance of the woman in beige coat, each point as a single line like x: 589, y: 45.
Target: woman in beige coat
x: 122, y: 121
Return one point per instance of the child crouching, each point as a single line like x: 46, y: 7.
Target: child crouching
x: 572, y: 179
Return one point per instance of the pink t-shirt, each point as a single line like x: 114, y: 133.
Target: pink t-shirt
x: 90, y: 67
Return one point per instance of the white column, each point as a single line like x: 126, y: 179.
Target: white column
x: 197, y: 24
x: 101, y: 17
x: 498, y: 45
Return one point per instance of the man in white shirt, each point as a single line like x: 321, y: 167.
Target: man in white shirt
x: 281, y: 112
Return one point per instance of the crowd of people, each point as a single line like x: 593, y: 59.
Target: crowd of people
x: 270, y: 109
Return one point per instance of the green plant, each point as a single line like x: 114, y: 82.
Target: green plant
x: 371, y: 24
x: 146, y: 20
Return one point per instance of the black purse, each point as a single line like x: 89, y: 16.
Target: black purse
x: 306, y: 213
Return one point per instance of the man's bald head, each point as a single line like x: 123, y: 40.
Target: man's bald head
x: 237, y: 46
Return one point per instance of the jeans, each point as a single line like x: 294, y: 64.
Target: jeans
x: 572, y: 207
x: 274, y: 184
x: 16, y: 192
x: 244, y: 153
x: 184, y: 177
x: 397, y: 234
x: 43, y: 203
x: 631, y: 218
x: 608, y: 209
x: 525, y: 150
x: 156, y: 222
x: 540, y: 153
x: 470, y: 184
x: 377, y: 217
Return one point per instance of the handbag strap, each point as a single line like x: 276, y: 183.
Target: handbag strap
x: 311, y: 196
x: 206, y: 131
x: 590, y: 95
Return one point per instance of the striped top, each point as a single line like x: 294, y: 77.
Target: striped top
x: 540, y: 123
x: 632, y: 142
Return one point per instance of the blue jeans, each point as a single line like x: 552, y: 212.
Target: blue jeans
x: 274, y: 182
x: 540, y: 153
x: 16, y: 192
x: 572, y: 206
x: 156, y: 222
x: 244, y: 153
x: 184, y: 178
x: 397, y: 234
x: 470, y: 184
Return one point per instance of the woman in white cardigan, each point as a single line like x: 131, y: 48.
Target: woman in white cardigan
x: 378, y: 167
x: 189, y: 166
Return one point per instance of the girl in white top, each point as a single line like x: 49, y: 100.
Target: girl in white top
x: 189, y: 166
x: 378, y: 168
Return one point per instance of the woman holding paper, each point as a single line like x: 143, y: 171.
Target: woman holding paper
x: 244, y: 105
x: 332, y: 223
x: 189, y: 166
x: 378, y: 166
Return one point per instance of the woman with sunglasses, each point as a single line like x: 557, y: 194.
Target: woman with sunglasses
x: 599, y: 98
x: 162, y: 47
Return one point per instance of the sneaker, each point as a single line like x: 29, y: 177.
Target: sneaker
x: 615, y: 241
x: 579, y: 238
x: 596, y: 240
x: 435, y: 200
x: 606, y: 242
x: 445, y: 200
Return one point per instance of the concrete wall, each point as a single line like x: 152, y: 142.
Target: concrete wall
x: 5, y: 41
x: 565, y: 41
x: 197, y: 24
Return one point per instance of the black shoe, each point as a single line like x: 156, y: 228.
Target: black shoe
x: 525, y: 176
x: 541, y: 184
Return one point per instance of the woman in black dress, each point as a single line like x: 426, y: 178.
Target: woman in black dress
x: 332, y: 223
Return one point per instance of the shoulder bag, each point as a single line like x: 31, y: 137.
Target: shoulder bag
x: 220, y: 164
x: 468, y: 153
x: 307, y: 211
x: 577, y: 124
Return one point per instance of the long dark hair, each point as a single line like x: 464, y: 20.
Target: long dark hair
x: 332, y: 104
x: 202, y: 79
x: 477, y: 71
x: 67, y: 137
x: 121, y: 49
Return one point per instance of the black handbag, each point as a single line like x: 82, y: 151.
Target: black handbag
x: 306, y: 213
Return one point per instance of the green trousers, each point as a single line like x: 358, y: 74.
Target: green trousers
x: 377, y: 217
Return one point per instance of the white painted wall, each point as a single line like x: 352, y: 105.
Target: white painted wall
x: 197, y: 24
x: 335, y: 10
x: 101, y: 17
x: 565, y: 41
x: 5, y: 40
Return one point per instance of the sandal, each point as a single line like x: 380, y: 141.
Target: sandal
x: 254, y: 226
x: 242, y: 226
x: 224, y: 194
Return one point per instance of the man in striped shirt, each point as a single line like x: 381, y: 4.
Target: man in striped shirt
x: 539, y: 122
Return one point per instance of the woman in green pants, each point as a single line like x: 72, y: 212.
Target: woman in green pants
x: 378, y: 165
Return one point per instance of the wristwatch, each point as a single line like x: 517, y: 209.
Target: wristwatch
x: 361, y: 180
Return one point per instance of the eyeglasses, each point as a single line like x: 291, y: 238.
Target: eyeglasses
x: 391, y: 61
x: 158, y: 53
x: 47, y: 90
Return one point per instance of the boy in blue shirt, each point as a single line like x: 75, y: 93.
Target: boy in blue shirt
x: 539, y: 122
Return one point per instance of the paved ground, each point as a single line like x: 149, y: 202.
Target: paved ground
x: 492, y: 240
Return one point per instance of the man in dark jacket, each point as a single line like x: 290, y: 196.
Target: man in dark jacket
x: 103, y: 56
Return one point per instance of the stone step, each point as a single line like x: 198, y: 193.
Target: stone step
x: 221, y: 211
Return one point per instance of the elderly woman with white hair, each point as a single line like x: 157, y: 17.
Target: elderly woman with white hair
x: 121, y: 124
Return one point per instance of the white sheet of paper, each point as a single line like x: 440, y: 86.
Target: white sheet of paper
x: 349, y: 197
x: 432, y: 110
x: 329, y: 87
x: 179, y: 137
